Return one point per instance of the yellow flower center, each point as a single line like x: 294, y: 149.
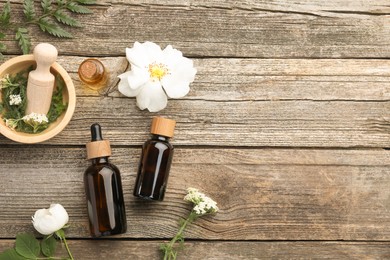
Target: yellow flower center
x: 158, y: 70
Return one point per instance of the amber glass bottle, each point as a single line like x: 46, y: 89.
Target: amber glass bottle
x: 93, y: 74
x: 155, y: 163
x: 103, y: 188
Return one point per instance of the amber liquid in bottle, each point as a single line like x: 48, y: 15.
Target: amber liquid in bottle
x: 103, y: 188
x: 93, y: 74
x: 153, y: 170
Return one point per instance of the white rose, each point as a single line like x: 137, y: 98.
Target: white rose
x: 48, y: 221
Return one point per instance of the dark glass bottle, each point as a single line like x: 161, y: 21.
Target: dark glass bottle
x: 155, y: 163
x: 103, y: 188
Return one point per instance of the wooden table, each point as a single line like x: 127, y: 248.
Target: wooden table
x: 287, y: 127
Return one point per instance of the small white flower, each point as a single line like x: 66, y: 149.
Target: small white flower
x: 156, y: 74
x: 36, y: 121
x: 35, y: 118
x: 202, y: 204
x: 15, y: 100
x: 48, y: 221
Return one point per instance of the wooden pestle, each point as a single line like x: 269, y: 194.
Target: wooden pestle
x: 40, y: 81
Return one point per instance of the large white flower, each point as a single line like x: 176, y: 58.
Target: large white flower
x: 48, y: 221
x: 156, y: 74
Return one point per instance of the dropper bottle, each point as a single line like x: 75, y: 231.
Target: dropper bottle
x: 103, y: 188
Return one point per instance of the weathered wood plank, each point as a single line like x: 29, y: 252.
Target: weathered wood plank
x: 263, y: 194
x: 229, y: 29
x: 105, y: 249
x: 278, y: 124
x: 267, y: 79
x: 247, y: 123
x: 315, y: 7
x: 282, y: 103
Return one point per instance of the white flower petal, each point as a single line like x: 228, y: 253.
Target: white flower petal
x: 152, y: 97
x: 46, y: 225
x: 137, y: 77
x: 137, y: 55
x: 123, y: 85
x: 125, y: 89
x: 177, y: 84
x: 142, y: 54
x: 59, y: 213
x: 153, y: 51
x: 172, y: 57
x: 177, y: 89
x: 41, y: 212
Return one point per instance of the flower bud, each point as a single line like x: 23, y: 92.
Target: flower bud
x: 48, y: 221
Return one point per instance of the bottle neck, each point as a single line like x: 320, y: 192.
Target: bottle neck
x: 99, y: 160
x: 160, y: 138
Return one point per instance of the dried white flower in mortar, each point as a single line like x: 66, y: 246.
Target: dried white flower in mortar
x: 15, y: 100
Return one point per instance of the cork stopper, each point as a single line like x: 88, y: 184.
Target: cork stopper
x: 91, y: 70
x: 163, y: 126
x: 97, y: 147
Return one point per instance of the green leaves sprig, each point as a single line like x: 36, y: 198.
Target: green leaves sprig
x: 54, y: 15
x: 28, y: 247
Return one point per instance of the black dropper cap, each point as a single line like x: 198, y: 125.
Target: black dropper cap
x: 97, y: 147
x: 96, y: 132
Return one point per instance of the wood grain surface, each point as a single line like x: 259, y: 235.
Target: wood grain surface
x: 297, y: 104
x: 339, y: 29
x: 268, y: 194
x: 286, y: 126
x: 103, y: 249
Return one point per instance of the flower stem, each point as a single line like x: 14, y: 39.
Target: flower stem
x: 52, y: 257
x: 67, y: 248
x: 169, y: 252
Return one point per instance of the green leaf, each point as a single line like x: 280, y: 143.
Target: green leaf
x: 86, y: 2
x: 46, y: 5
x: 23, y: 30
x: 57, y: 107
x: 76, y: 8
x: 6, y: 14
x: 27, y: 245
x: 29, y: 10
x: 49, y: 245
x: 11, y: 254
x: 23, y: 39
x: 64, y: 18
x: 53, y: 28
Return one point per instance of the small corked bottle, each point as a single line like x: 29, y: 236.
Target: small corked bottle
x: 103, y: 188
x: 155, y: 163
x: 93, y: 74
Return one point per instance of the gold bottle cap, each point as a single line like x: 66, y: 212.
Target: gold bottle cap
x: 163, y: 126
x: 97, y: 147
x: 91, y: 70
